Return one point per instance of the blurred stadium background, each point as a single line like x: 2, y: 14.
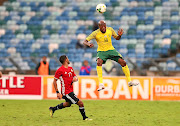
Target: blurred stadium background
x: 30, y: 29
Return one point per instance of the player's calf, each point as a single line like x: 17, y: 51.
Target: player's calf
x: 82, y: 110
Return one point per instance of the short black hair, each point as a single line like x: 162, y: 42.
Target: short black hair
x: 62, y: 58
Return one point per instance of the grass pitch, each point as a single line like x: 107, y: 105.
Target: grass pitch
x: 103, y: 113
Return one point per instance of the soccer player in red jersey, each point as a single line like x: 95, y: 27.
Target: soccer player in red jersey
x: 67, y: 76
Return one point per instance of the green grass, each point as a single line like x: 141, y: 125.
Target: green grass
x: 103, y: 113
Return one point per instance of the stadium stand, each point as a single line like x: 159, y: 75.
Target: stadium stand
x: 30, y: 29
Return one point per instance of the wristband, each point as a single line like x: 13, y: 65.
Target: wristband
x: 57, y: 91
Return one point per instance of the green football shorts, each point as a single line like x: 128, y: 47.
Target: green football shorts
x: 110, y: 54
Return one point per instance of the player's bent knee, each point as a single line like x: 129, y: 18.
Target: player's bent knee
x: 122, y: 62
x: 67, y: 104
x: 99, y: 62
x: 80, y: 104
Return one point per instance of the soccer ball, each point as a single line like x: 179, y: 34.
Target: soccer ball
x: 101, y: 8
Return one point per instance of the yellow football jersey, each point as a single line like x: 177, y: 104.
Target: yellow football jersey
x: 103, y: 39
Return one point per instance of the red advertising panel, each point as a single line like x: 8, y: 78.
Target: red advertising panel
x: 20, y: 87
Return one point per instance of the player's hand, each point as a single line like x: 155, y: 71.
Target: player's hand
x: 120, y: 31
x: 75, y: 79
x: 91, y: 45
x: 58, y: 95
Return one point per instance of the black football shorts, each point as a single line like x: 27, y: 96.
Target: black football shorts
x: 71, y: 98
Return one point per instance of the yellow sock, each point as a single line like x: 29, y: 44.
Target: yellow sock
x: 99, y: 73
x: 126, y: 72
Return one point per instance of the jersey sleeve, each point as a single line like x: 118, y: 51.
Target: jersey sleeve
x: 92, y: 36
x: 57, y: 74
x: 113, y: 33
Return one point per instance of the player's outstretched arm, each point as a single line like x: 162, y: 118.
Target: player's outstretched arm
x: 55, y: 87
x: 88, y: 44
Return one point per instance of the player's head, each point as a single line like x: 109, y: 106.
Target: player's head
x: 64, y: 59
x: 102, y: 26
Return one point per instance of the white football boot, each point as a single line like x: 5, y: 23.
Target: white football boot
x: 132, y: 84
x: 101, y: 87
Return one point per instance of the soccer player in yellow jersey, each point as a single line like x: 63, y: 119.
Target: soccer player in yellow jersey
x: 107, y: 51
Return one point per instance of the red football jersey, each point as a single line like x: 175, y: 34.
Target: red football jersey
x: 66, y: 76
